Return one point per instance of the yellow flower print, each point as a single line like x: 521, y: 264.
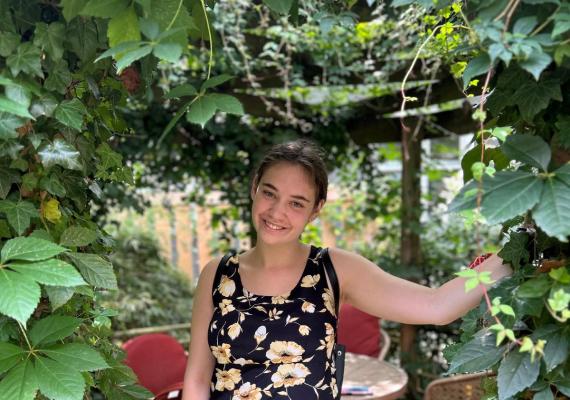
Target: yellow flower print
x: 280, y: 299
x: 329, y: 301
x: 247, y: 391
x: 310, y: 280
x: 242, y: 361
x: 234, y: 330
x: 222, y: 353
x: 226, y: 380
x: 284, y: 352
x: 290, y: 375
x: 308, y: 307
x: 334, y: 387
x: 329, y: 339
x: 274, y: 314
x: 226, y: 306
x: 227, y: 286
x: 260, y: 334
x: 304, y: 330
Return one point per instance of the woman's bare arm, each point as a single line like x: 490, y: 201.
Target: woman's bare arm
x: 369, y: 288
x: 200, y: 360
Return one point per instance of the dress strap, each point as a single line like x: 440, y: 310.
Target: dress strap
x: 331, y: 276
x: 221, y: 268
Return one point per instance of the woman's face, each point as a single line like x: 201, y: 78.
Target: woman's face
x: 283, y: 203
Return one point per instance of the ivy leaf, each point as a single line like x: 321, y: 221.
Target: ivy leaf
x: 9, y: 41
x: 532, y: 97
x: 104, y: 8
x: 10, y: 355
x: 477, y: 355
x: 51, y: 272
x: 499, y: 204
x: 53, y: 328
x: 77, y: 236
x: 109, y: 158
x: 46, y: 104
x: 7, y: 178
x: 551, y: 213
x: 70, y: 113
x: 58, y: 295
x: 95, y: 270
x: 18, y: 214
x: 29, y: 249
x: 201, y: 110
x: 50, y: 38
x: 27, y: 59
x: 11, y: 107
x: 557, y: 343
x: 529, y: 149
x: 170, y: 52
x: 77, y: 356
x: 52, y: 185
x: 71, y: 8
x: 60, y: 153
x: 4, y: 229
x: 181, y: 91
x: 20, y: 383
x: 59, y: 381
x: 536, y: 287
x: 476, y: 67
x: 8, y: 125
x: 11, y: 149
x: 215, y: 81
x: 19, y: 295
x: 124, y: 27
x: 563, y: 131
x: 279, y: 6
x: 514, y: 251
x: 535, y: 63
x: 83, y: 36
x: 516, y: 373
x: 227, y: 104
x: 58, y: 80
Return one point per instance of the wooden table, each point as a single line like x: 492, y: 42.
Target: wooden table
x: 385, y: 380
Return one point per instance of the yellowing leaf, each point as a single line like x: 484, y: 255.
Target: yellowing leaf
x: 51, y: 212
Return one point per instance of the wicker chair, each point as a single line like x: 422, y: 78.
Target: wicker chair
x: 459, y: 387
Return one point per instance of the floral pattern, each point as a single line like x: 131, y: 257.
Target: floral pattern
x: 277, y: 347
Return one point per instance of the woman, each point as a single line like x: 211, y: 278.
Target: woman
x: 264, y: 323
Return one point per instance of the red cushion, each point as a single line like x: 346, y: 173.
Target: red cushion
x: 158, y: 360
x: 359, y: 331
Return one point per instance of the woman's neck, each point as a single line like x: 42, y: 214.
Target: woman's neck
x: 277, y: 256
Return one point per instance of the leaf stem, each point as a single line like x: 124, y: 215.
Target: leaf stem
x: 175, y: 15
x: 545, y: 23
x: 25, y: 336
x: 211, y: 58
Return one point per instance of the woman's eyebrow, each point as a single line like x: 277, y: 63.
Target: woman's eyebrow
x: 295, y: 196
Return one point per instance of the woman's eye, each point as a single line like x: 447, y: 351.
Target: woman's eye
x: 267, y: 193
x: 296, y: 204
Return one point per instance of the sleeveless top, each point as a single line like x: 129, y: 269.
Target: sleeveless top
x: 273, y: 347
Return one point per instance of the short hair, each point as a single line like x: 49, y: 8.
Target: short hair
x: 301, y: 152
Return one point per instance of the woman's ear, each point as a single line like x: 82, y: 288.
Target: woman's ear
x: 316, y: 211
x: 254, y: 186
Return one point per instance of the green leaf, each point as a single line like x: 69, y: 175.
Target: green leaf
x: 11, y: 107
x: 77, y: 236
x: 150, y: 28
x: 70, y: 113
x: 515, y: 250
x: 499, y: 204
x: 7, y: 178
x: 58, y: 381
x: 529, y: 149
x: 50, y: 272
x: 20, y: 383
x: 525, y: 25
x: 170, y: 52
x: 95, y: 270
x: 19, y: 295
x: 27, y: 59
x: 58, y: 80
x: 30, y: 249
x: 8, y: 43
x: 8, y: 125
x: 109, y: 158
x: 227, y: 103
x: 50, y: 38
x: 551, y: 213
x: 104, y: 8
x: 477, y: 66
x: 53, y: 328
x: 131, y: 56
x: 173, y: 15
x: 545, y: 394
x: 516, y: 373
x: 4, y: 229
x: 215, y: 81
x: 58, y: 295
x: 536, y: 287
x: 557, y: 344
x: 466, y: 199
x: 124, y: 27
x: 201, y: 110
x: 477, y: 355
x: 60, y: 153
x: 52, y: 185
x: 77, y: 356
x: 563, y: 174
x: 18, y: 214
x: 279, y: 6
x: 561, y: 24
x: 181, y: 91
x: 532, y: 97
x: 10, y: 355
x: 535, y: 63
x: 71, y: 8
x: 46, y: 104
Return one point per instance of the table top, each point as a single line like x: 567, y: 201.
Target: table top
x: 386, y: 381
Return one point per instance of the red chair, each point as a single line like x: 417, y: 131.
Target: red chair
x: 157, y: 359
x: 361, y: 333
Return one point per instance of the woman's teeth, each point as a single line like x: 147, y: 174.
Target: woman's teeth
x: 272, y: 226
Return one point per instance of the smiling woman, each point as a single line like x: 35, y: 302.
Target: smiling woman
x: 264, y: 321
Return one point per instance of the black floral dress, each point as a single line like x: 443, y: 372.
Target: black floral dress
x: 277, y: 347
